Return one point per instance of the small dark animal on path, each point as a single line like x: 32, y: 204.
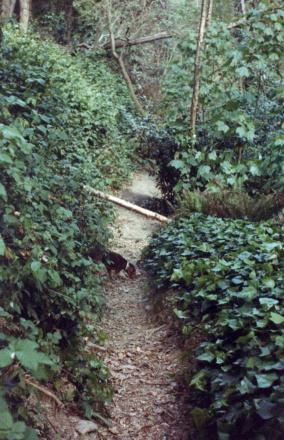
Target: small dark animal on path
x: 113, y: 261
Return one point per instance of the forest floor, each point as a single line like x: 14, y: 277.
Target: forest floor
x: 142, y: 353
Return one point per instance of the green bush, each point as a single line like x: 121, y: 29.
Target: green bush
x: 239, y: 144
x: 231, y: 204
x: 229, y: 281
x: 60, y: 129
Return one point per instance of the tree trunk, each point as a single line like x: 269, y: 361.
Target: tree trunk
x: 69, y: 18
x: 243, y: 6
x: 6, y: 9
x: 209, y: 14
x: 120, y: 61
x: 197, y: 66
x: 25, y: 10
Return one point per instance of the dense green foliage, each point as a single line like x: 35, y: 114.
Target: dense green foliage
x: 60, y: 128
x: 66, y: 122
x: 229, y: 278
x: 239, y: 144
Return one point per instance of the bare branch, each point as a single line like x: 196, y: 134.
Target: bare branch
x: 120, y: 42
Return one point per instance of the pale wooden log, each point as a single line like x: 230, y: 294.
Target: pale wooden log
x: 128, y: 205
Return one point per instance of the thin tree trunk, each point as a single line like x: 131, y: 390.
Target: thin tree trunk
x: 12, y: 6
x: 6, y: 9
x: 243, y: 6
x: 197, y: 67
x: 120, y: 61
x: 209, y: 14
x: 25, y: 10
x: 69, y: 14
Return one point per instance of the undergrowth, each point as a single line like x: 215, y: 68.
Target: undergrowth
x: 228, y: 276
x: 61, y: 121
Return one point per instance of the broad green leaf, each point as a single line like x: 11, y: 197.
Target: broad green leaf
x: 266, y: 380
x: 269, y: 282
x: 206, y: 357
x: 272, y: 246
x: 3, y: 192
x: 221, y: 126
x: 265, y: 409
x: 27, y: 354
x: 35, y: 266
x: 226, y: 167
x: 6, y: 421
x: 248, y: 293
x: 11, y: 132
x: 55, y: 277
x: 212, y: 155
x: 243, y: 72
x: 30, y: 434
x: 204, y: 171
x: 242, y: 132
x: 176, y: 163
x: 5, y: 358
x: 269, y: 302
x: 246, y: 386
x: 180, y: 314
x: 254, y: 170
x: 2, y: 247
x: 199, y: 380
x: 5, y: 158
x: 26, y: 147
x: 276, y: 318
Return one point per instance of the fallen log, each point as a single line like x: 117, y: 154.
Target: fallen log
x: 128, y: 205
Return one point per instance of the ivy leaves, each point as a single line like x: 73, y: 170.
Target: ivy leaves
x: 230, y: 283
x: 56, y: 121
x: 2, y: 247
x: 24, y: 351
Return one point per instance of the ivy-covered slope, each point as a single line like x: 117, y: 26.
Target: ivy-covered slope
x: 228, y: 276
x: 60, y: 128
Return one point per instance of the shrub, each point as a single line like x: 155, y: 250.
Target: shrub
x: 229, y: 283
x: 239, y: 144
x: 59, y: 130
x: 231, y: 204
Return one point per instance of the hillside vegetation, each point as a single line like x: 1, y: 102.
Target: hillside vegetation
x: 193, y: 90
x: 228, y: 276
x: 61, y: 128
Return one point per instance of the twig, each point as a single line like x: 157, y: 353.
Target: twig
x: 151, y: 331
x: 45, y: 391
x: 91, y: 345
x: 52, y: 425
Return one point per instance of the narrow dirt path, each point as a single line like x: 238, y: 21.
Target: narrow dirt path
x: 142, y: 354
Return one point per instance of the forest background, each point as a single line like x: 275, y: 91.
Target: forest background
x: 193, y: 90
